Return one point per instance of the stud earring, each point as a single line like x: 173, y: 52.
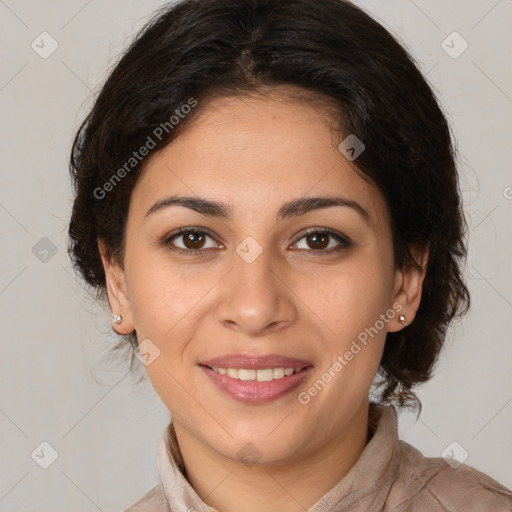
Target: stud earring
x: 117, y: 319
x: 401, y: 318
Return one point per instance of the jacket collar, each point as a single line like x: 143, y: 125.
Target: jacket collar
x: 366, y: 484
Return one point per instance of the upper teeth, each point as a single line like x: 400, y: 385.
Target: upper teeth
x: 259, y: 375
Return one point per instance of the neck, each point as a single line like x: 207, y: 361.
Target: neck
x: 230, y: 486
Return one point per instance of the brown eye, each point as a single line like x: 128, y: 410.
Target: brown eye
x: 189, y: 241
x: 322, y: 241
x: 194, y: 240
x: 318, y: 240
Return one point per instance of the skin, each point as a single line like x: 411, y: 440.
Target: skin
x: 254, y: 154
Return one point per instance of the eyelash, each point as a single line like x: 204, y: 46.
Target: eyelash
x: 345, y: 242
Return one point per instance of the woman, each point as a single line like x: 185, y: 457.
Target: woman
x: 266, y: 191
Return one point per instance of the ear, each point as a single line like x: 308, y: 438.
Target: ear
x: 117, y: 292
x: 408, y: 287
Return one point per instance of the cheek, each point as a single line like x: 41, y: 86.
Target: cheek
x: 354, y: 342
x: 353, y: 299
x: 165, y: 306
x: 162, y: 294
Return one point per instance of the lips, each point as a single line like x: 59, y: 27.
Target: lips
x: 257, y: 393
x: 255, y: 362
x: 226, y: 371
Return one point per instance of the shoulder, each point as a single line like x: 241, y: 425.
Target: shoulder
x: 153, y: 501
x: 430, y: 483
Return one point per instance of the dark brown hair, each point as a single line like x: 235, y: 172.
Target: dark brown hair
x: 331, y: 49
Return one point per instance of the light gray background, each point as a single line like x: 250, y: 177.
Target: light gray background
x: 57, y: 385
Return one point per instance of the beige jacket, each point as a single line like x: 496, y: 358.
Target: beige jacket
x: 390, y: 475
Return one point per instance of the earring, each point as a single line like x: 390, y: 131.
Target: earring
x: 402, y: 319
x: 117, y: 319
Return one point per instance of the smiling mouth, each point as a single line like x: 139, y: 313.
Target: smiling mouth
x: 257, y: 386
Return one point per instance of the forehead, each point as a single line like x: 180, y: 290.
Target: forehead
x: 255, y: 153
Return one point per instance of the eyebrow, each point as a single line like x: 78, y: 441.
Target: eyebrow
x: 288, y: 210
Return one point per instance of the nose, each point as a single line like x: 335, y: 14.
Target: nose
x: 255, y: 298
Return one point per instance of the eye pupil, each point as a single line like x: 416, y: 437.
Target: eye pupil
x: 191, y: 242
x: 320, y: 240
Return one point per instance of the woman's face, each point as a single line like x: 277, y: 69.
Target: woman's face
x: 257, y: 284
